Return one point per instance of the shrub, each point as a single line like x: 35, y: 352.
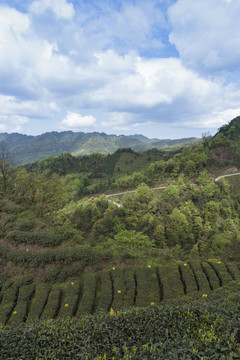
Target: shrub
x: 89, y: 291
x: 52, y: 273
x: 105, y: 300
x: 19, y: 313
x: 8, y: 303
x: 52, y: 307
x: 153, y: 333
x: 39, y: 302
x: 26, y: 225
x: 70, y: 300
x: 48, y: 239
x: 84, y: 255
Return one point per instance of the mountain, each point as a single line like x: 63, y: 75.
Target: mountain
x: 224, y: 146
x: 28, y: 148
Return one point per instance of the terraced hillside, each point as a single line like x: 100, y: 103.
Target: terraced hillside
x: 116, y: 289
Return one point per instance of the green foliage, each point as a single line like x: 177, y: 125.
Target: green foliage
x: 47, y: 239
x: 38, y: 302
x: 171, y: 284
x: 89, y: 291
x: 181, y: 332
x: 53, y: 304
x: 38, y: 188
x: 8, y: 303
x: 148, y: 291
x: 70, y: 300
x: 106, y: 295
x: 85, y: 255
x: 26, y: 225
x: 19, y: 313
x: 132, y: 239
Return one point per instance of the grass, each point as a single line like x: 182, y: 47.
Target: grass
x: 129, y: 163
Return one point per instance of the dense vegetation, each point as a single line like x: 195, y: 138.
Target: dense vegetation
x: 26, y: 149
x: 105, y: 233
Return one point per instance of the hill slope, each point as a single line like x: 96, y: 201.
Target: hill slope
x: 26, y: 149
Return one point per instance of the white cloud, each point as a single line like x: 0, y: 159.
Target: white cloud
x: 76, y: 121
x: 43, y: 77
x: 206, y: 34
x: 14, y: 123
x: 61, y: 8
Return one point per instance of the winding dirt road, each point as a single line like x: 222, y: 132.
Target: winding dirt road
x: 161, y: 187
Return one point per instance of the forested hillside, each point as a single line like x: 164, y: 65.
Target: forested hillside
x: 98, y: 234
x: 26, y: 149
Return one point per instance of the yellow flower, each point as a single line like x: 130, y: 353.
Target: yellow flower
x: 112, y: 312
x: 66, y: 305
x: 219, y: 262
x: 72, y: 283
x: 15, y: 312
x: 27, y: 250
x: 185, y: 264
x: 204, y: 295
x: 152, y: 303
x: 119, y: 291
x: 113, y: 268
x: 149, y: 266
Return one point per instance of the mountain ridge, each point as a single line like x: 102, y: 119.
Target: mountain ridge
x: 28, y: 148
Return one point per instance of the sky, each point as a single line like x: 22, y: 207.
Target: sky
x: 161, y: 68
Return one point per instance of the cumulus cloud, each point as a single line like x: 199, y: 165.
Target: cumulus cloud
x: 206, y: 34
x: 102, y: 63
x: 14, y: 123
x: 75, y: 121
x: 61, y: 8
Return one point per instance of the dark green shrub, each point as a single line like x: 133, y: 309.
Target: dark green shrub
x: 9, y: 219
x: 234, y: 270
x: 105, y: 300
x: 74, y: 270
x: 53, y: 304
x: 221, y: 271
x: 119, y: 288
x: 152, y: 333
x: 52, y: 273
x: 188, y: 278
x: 48, y: 239
x: 89, y: 292
x: 2, y: 231
x: 107, y: 255
x: 200, y: 276
x: 8, y: 303
x: 70, y: 300
x: 3, y: 278
x: 171, y: 283
x: 9, y: 207
x: 148, y: 291
x: 26, y: 225
x: 212, y: 277
x: 19, y: 313
x: 39, y: 301
x: 129, y: 296
x: 84, y: 255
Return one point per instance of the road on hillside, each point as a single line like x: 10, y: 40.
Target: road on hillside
x: 161, y: 187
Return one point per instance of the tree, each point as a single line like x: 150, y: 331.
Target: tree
x: 6, y: 163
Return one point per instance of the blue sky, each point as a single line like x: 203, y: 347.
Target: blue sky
x: 163, y: 68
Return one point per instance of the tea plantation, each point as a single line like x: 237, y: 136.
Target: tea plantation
x: 117, y: 289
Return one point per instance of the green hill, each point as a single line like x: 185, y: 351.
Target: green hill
x: 27, y: 149
x: 94, y: 274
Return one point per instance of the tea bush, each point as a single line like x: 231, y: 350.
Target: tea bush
x: 85, y: 255
x: 48, y: 239
x: 192, y: 333
x: 26, y: 225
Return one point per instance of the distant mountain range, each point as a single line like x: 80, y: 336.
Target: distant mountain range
x: 28, y: 148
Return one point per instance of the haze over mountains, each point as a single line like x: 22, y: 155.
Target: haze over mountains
x: 28, y: 148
